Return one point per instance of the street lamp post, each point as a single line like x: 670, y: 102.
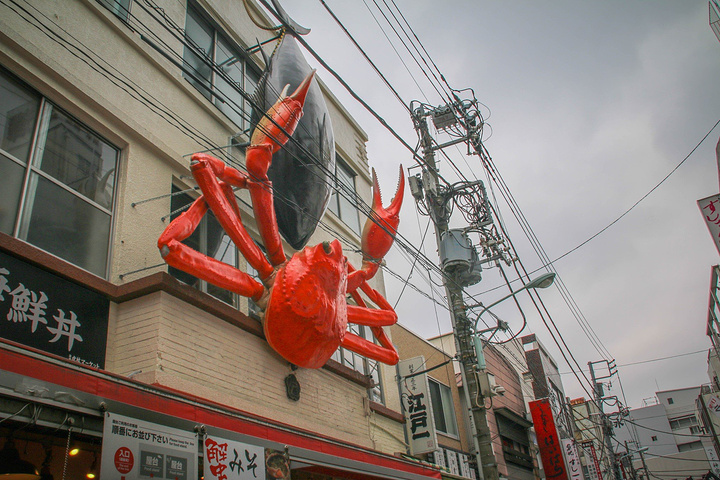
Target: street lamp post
x: 489, y: 463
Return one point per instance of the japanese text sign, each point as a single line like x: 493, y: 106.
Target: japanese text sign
x: 136, y: 449
x: 710, y: 208
x: 419, y: 419
x: 231, y: 460
x: 594, y: 467
x: 572, y: 459
x: 43, y: 311
x: 551, y: 452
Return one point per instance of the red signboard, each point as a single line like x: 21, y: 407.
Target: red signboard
x: 548, y: 440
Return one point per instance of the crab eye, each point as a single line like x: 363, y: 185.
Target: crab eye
x: 326, y: 247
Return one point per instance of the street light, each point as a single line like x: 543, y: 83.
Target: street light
x: 543, y: 281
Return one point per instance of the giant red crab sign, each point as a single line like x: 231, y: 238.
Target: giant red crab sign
x: 305, y: 297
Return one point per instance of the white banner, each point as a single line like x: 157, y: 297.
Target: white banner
x: 231, y: 460
x: 136, y: 449
x: 417, y: 406
x: 713, y: 459
x: 710, y: 208
x: 572, y: 459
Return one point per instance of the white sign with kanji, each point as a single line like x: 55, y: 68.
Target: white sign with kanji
x: 710, y: 208
x: 138, y: 449
x: 572, y: 459
x: 417, y: 406
x: 231, y: 460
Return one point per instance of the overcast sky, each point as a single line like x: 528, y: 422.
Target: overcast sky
x: 589, y: 105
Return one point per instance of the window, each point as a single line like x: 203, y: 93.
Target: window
x: 208, y: 238
x: 341, y: 204
x: 443, y: 408
x: 670, y: 401
x: 57, y: 189
x: 360, y: 364
x: 686, y: 447
x: 654, y: 438
x: 120, y: 8
x: 206, y: 46
x: 683, y: 422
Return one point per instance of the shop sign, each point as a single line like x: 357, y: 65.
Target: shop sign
x: 136, y: 449
x: 43, y: 311
x: 417, y: 407
x: 594, y: 467
x: 710, y: 208
x: 551, y: 452
x: 572, y: 459
x: 713, y: 459
x: 230, y: 460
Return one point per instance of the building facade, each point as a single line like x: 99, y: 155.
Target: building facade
x: 513, y: 440
x: 102, y: 103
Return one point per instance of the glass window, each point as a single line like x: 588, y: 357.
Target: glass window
x: 342, y: 201
x: 206, y: 46
x: 208, y: 238
x: 58, y: 196
x: 121, y: 8
x: 443, y: 408
x: 362, y: 365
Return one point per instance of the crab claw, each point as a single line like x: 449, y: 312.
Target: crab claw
x: 285, y: 113
x: 379, y: 232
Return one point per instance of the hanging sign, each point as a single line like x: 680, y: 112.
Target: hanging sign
x: 136, y: 449
x: 710, y: 208
x: 230, y: 460
x: 594, y: 467
x: 551, y: 452
x: 43, y: 311
x: 419, y: 419
x: 713, y: 459
x: 572, y: 459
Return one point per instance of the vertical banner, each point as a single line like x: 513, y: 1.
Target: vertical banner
x: 710, y: 208
x: 415, y: 394
x: 572, y: 459
x: 136, y: 449
x: 713, y: 459
x: 551, y: 452
x: 231, y: 460
x: 594, y: 467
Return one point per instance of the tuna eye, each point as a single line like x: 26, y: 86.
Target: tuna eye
x: 326, y: 247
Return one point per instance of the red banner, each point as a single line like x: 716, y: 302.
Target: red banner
x: 548, y: 440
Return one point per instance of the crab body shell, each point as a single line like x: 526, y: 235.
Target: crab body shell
x: 307, y: 305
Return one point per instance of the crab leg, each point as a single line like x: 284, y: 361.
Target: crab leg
x: 373, y: 318
x: 182, y: 257
x: 221, y: 200
x: 266, y: 140
x: 379, y: 233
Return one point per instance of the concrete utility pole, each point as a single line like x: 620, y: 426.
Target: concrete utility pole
x: 606, y: 425
x: 461, y: 263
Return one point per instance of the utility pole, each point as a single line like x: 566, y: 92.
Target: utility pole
x: 606, y: 425
x: 461, y: 264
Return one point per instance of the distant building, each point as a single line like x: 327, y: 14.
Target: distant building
x: 450, y: 420
x: 669, y: 434
x: 514, y: 444
x: 547, y: 383
x: 595, y: 461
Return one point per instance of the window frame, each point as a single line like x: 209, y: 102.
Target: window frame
x: 336, y: 200
x: 363, y: 365
x: 212, y: 90
x: 446, y: 408
x: 177, y: 194
x: 34, y: 173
